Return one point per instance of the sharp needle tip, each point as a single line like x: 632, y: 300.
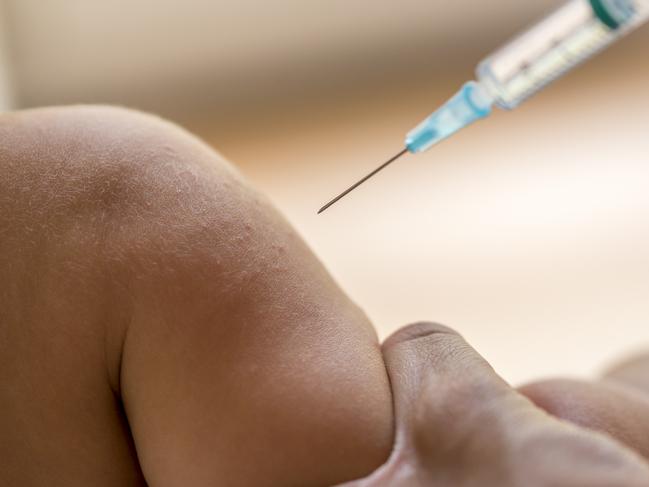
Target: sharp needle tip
x: 370, y: 175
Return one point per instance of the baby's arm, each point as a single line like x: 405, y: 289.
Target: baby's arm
x: 244, y: 363
x: 238, y: 359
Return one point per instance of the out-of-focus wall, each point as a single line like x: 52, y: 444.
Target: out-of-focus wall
x: 174, y: 54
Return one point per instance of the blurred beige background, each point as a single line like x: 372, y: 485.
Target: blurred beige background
x: 529, y: 232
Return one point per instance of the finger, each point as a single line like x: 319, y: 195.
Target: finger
x: 408, y: 355
x: 438, y: 380
x: 425, y: 362
x: 633, y: 373
x: 619, y: 411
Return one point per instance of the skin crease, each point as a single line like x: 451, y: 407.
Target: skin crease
x: 160, y: 321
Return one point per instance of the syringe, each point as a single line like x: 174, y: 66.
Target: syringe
x: 573, y: 34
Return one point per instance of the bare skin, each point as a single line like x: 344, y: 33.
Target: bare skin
x: 160, y: 322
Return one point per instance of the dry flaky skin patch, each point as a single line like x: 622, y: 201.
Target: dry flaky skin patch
x: 148, y: 290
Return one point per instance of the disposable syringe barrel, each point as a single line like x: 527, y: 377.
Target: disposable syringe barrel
x: 565, y: 39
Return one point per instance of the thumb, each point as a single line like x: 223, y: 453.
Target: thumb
x: 438, y: 383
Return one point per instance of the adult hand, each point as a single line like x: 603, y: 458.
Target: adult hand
x: 459, y: 424
x: 617, y: 405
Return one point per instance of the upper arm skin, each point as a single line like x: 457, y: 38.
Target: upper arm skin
x: 239, y: 361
